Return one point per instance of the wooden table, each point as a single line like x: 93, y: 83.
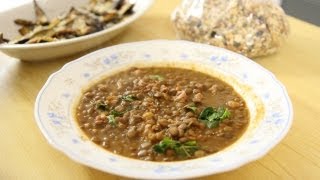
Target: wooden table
x: 25, y: 154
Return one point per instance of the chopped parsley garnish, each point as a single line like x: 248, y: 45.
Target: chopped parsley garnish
x: 112, y: 120
x: 212, y: 117
x: 112, y: 117
x: 191, y: 107
x: 186, y: 149
x: 129, y: 97
x: 156, y: 77
x: 116, y: 113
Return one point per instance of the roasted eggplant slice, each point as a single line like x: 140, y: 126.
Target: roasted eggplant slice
x: 41, y: 17
x: 2, y: 39
x: 98, y: 15
x: 23, y: 22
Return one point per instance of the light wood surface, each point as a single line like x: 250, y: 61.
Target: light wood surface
x: 25, y: 154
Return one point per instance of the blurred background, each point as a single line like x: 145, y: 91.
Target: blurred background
x: 307, y: 10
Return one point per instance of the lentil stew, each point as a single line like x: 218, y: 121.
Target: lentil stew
x: 162, y: 114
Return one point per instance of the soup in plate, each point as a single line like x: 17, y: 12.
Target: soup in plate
x: 162, y: 114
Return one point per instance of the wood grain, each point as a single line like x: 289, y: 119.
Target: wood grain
x: 25, y: 154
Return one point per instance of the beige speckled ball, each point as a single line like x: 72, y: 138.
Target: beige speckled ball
x: 250, y: 27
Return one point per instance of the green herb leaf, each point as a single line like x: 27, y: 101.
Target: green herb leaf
x: 211, y: 124
x: 206, y: 113
x: 212, y: 117
x: 192, y: 107
x: 111, y: 120
x: 116, y: 113
x: 156, y: 77
x: 112, y: 117
x: 189, y: 148
x: 129, y: 98
x: 164, y: 144
x: 101, y: 106
x: 226, y: 113
x: 190, y: 143
x: 186, y: 149
x: 159, y: 148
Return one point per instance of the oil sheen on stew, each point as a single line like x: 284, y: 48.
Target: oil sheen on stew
x: 162, y: 114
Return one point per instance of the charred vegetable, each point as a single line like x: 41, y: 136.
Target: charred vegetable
x: 2, y: 39
x: 96, y: 16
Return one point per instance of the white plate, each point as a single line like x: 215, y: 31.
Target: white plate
x: 269, y: 105
x: 50, y: 50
